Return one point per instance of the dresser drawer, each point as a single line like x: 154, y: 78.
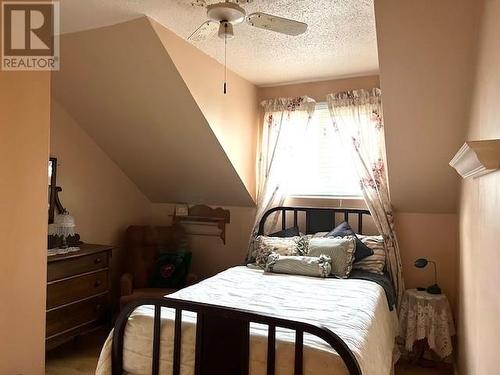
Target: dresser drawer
x: 74, y: 266
x: 75, y: 288
x: 68, y: 317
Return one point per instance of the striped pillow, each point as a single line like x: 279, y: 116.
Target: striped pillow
x: 299, y: 265
x: 374, y: 263
x: 339, y: 250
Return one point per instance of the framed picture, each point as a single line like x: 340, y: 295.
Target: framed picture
x: 181, y: 210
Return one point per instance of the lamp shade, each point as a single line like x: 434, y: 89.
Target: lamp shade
x: 64, y: 225
x: 421, y: 262
x: 226, y: 31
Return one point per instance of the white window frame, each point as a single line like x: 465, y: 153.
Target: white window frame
x: 322, y: 106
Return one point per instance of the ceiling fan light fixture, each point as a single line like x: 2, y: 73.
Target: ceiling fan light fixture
x: 226, y: 31
x: 226, y: 12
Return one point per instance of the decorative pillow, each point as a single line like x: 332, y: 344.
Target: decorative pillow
x: 264, y: 246
x: 344, y: 230
x: 374, y: 263
x: 339, y: 250
x: 289, y: 232
x: 299, y: 265
x: 317, y: 235
x: 320, y: 234
x: 171, y: 270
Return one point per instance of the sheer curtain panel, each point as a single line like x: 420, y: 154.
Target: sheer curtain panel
x: 358, y: 119
x: 285, y: 123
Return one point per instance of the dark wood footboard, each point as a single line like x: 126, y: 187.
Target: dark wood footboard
x: 223, y: 338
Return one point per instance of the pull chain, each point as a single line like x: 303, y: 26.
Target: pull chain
x: 225, y: 59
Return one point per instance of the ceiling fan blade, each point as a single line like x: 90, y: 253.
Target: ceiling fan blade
x: 205, y: 31
x: 275, y: 23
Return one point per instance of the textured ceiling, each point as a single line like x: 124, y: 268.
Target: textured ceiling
x: 340, y: 40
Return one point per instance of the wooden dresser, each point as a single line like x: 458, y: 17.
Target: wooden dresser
x: 78, y: 297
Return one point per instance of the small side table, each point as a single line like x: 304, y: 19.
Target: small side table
x: 425, y: 316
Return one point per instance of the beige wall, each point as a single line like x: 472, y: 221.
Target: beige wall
x: 140, y: 111
x: 210, y: 255
x: 426, y: 53
x: 233, y: 117
x: 24, y: 150
x: 479, y: 324
x: 433, y: 237
x: 103, y: 200
x: 426, y: 50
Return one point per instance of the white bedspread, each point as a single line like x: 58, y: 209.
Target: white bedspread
x: 356, y: 310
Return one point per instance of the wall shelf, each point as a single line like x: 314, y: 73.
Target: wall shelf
x: 205, y: 215
x: 476, y: 158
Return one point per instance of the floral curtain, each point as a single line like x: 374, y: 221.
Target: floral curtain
x: 358, y: 119
x: 285, y: 123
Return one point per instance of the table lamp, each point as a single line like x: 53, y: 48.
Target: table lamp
x: 422, y: 263
x: 64, y: 227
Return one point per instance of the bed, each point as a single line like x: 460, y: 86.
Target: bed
x: 262, y: 323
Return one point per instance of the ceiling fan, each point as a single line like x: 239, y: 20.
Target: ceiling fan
x: 222, y: 16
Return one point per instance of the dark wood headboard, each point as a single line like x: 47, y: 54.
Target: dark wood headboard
x: 316, y: 219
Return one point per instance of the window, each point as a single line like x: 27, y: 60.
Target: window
x: 325, y: 170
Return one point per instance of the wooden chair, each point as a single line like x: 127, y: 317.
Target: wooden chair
x: 141, y: 249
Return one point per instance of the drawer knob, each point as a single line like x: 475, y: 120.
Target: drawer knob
x: 97, y: 283
x: 97, y: 260
x: 98, y: 307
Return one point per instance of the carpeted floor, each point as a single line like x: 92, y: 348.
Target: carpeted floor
x: 79, y: 357
x: 405, y: 368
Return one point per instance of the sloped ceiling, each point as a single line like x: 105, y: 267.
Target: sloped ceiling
x: 123, y: 89
x: 426, y: 60
x: 233, y: 117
